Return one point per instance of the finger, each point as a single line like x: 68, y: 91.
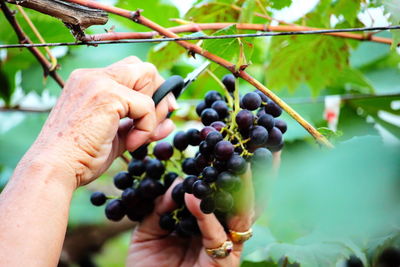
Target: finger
x: 163, y: 130
x: 125, y: 126
x: 149, y: 228
x: 127, y: 60
x: 213, y: 234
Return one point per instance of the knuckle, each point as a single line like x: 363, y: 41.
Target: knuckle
x: 133, y: 58
x: 150, y: 68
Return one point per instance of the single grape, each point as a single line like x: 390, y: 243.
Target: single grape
x: 193, y: 136
x: 208, y: 116
x: 261, y: 112
x: 181, y: 140
x: 262, y: 156
x: 278, y: 147
x: 140, y: 153
x: 389, y: 257
x: 201, y: 189
x: 258, y: 135
x: 220, y: 165
x: 130, y: 197
x: 207, y: 205
x: 229, y: 81
x: 206, y: 150
x: 266, y: 121
x: 163, y: 151
x: 353, y: 261
x: 221, y: 108
x: 223, y: 150
x: 200, y: 107
x: 273, y: 109
x: 151, y: 188
x: 136, y: 167
x: 154, y: 168
x: 275, y: 137
x: 139, y: 211
x: 115, y: 210
x: 189, y: 166
x: 237, y: 164
x: 227, y: 181
x: 244, y: 119
x: 169, y: 178
x: 223, y: 201
x: 189, y: 225
x: 213, y: 138
x: 264, y: 98
x: 98, y: 198
x: 201, y: 162
x: 218, y: 125
x: 123, y: 180
x: 251, y: 101
x: 210, y: 174
x: 205, y: 131
x: 211, y: 97
x: 178, y: 194
x: 167, y: 222
x: 281, y: 125
x: 188, y: 183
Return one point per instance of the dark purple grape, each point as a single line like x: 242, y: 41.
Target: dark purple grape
x: 138, y: 212
x: 278, y: 147
x: 244, y: 119
x: 220, y: 165
x: 139, y: 153
x: 221, y: 108
x: 178, y: 194
x: 205, y: 131
x: 218, y: 125
x: 229, y: 81
x: 208, y: 116
x: 181, y: 141
x: 251, y: 101
x: 258, y: 136
x: 273, y: 109
x: 281, y: 125
x: 154, y: 168
x: 201, y: 189
x: 200, y: 107
x: 167, y: 222
x: 189, y: 166
x: 223, y: 201
x: 193, y: 136
x: 206, y: 150
x: 223, y: 150
x: 264, y: 98
x: 130, y: 197
x: 213, y: 138
x: 266, y: 121
x: 163, y: 151
x: 123, y: 180
x: 227, y: 181
x: 169, y: 178
x: 98, y: 198
x: 389, y: 257
x: 211, y: 97
x: 151, y: 188
x: 353, y: 261
x: 189, y: 225
x: 207, y: 205
x: 261, y: 112
x: 188, y: 183
x: 115, y: 210
x: 237, y: 164
x: 262, y: 157
x: 275, y: 137
x: 136, y: 167
x: 201, y: 162
x: 209, y: 174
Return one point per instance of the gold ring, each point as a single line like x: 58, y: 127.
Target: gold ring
x: 222, y: 251
x: 240, y: 237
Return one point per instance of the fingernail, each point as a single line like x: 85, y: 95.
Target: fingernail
x: 172, y: 102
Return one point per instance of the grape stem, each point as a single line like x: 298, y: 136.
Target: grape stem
x: 227, y: 94
x: 194, y: 49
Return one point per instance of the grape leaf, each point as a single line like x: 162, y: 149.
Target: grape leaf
x: 247, y: 11
x: 279, y: 4
x: 393, y: 8
x: 315, y: 60
x: 213, y: 12
x: 348, y: 9
x: 165, y: 55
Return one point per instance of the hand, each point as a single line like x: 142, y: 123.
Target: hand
x: 151, y: 244
x: 84, y: 132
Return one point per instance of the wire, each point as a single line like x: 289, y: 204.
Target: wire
x: 189, y: 38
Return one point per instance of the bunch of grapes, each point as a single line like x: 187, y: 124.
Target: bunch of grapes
x: 239, y: 133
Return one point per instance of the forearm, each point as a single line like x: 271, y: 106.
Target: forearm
x: 34, y: 210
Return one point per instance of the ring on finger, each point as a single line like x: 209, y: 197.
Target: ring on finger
x: 240, y: 237
x: 222, y: 251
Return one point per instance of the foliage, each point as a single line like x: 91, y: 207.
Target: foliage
x: 343, y: 203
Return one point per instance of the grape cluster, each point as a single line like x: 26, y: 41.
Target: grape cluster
x: 239, y: 133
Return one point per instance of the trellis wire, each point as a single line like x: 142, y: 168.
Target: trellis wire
x: 190, y: 38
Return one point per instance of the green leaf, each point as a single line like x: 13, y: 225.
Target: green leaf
x: 165, y: 55
x: 393, y: 8
x: 217, y: 11
x: 314, y: 60
x: 348, y: 9
x: 247, y: 12
x: 279, y: 4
